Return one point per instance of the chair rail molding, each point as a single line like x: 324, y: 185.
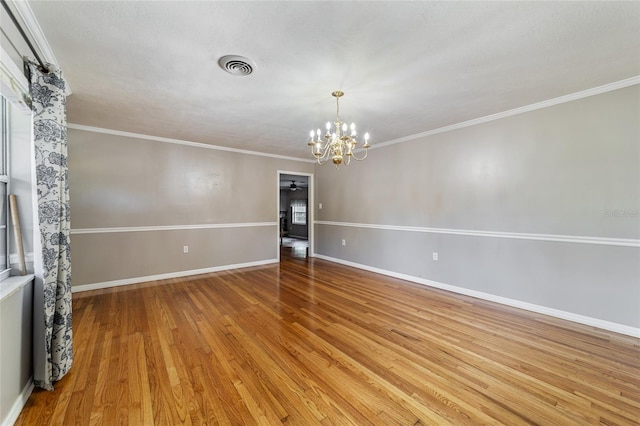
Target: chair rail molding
x: 626, y: 242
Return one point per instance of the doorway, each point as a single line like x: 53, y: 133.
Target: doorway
x: 295, y: 215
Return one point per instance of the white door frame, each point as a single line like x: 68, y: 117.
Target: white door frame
x: 310, y: 210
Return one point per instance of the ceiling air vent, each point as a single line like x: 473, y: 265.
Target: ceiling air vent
x: 236, y: 65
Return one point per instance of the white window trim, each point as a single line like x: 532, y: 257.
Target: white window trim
x: 4, y: 179
x: 297, y: 204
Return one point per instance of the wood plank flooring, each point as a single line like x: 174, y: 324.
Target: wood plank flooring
x: 310, y: 342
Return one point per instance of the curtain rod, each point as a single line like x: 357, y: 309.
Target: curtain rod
x: 24, y: 35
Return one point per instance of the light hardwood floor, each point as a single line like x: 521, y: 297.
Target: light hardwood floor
x: 311, y: 342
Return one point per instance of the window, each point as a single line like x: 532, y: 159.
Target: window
x: 15, y: 118
x: 5, y: 269
x: 298, y: 212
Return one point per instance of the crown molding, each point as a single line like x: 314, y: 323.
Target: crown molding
x: 509, y: 113
x: 36, y: 35
x: 521, y: 110
x: 181, y: 142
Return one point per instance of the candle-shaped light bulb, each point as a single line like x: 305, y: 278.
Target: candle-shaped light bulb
x: 328, y: 126
x: 353, y: 127
x: 344, y: 127
x: 318, y: 132
x: 366, y: 137
x: 312, y: 133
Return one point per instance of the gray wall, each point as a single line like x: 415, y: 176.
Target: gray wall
x: 571, y: 169
x: 16, y: 367
x: 123, y: 182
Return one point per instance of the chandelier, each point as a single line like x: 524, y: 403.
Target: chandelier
x: 338, y: 145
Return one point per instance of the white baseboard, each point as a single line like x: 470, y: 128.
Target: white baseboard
x: 136, y: 280
x: 557, y: 313
x: 18, y: 404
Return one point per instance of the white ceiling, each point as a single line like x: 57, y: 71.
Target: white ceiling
x: 406, y: 67
x: 300, y: 181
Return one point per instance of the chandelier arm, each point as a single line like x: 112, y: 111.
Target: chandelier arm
x: 322, y: 159
x: 366, y: 151
x: 323, y: 149
x: 326, y: 155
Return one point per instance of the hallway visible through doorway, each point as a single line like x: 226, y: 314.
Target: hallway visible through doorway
x: 294, y: 247
x: 295, y: 213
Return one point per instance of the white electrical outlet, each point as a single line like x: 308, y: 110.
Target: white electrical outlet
x: 344, y: 242
x: 185, y: 249
x: 320, y: 206
x: 435, y: 255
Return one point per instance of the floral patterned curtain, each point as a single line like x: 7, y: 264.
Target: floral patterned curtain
x: 53, y: 343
